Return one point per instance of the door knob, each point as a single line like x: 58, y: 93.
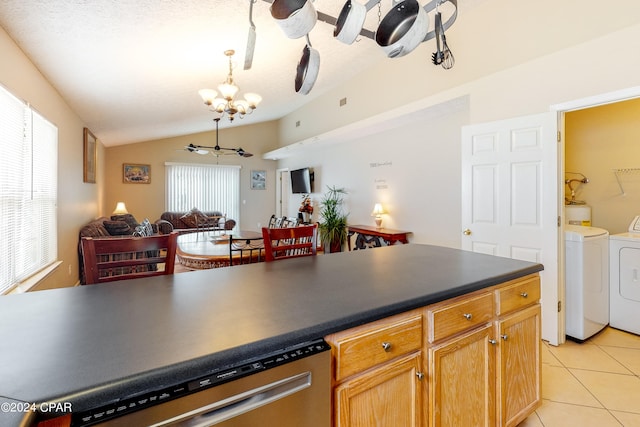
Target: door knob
x: 466, y: 232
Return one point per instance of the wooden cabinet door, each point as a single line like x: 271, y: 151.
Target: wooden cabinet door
x: 519, y: 365
x: 462, y: 380
x: 388, y: 396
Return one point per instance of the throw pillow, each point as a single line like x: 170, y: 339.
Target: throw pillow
x: 128, y: 218
x: 194, y: 218
x: 117, y: 228
x: 147, y: 226
x: 144, y: 229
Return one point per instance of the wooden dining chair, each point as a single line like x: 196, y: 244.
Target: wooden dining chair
x: 291, y: 242
x: 122, y: 258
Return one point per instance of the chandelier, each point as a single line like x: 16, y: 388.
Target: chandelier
x: 226, y: 104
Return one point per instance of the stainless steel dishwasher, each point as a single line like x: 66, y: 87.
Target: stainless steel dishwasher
x: 288, y: 388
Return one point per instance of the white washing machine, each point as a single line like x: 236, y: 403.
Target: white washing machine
x: 624, y: 296
x: 586, y: 280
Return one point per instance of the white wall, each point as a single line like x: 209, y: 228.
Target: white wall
x: 413, y: 170
x: 576, y: 72
x: 423, y: 171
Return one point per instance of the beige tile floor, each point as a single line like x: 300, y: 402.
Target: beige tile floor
x: 596, y: 383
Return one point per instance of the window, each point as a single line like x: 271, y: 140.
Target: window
x: 206, y: 187
x: 28, y: 191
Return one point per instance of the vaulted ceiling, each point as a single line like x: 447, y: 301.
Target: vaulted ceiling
x: 132, y: 69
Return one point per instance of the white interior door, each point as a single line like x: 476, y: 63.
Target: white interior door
x: 510, y: 199
x: 283, y: 192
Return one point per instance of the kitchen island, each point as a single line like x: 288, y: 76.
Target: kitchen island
x: 92, y: 345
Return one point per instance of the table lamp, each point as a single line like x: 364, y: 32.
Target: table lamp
x: 377, y: 213
x: 121, y: 209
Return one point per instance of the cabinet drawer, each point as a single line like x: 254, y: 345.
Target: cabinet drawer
x: 449, y: 319
x: 517, y: 295
x: 366, y: 348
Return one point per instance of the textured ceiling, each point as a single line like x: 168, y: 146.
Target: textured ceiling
x: 132, y: 68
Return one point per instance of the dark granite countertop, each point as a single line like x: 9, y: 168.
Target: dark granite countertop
x: 91, y: 345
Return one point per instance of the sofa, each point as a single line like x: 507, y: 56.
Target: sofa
x: 195, y: 220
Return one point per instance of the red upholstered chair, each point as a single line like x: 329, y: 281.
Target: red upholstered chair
x: 110, y: 259
x: 292, y: 242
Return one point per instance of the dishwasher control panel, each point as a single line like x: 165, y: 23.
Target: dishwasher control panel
x: 143, y: 401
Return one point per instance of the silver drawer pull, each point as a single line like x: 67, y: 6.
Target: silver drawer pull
x: 468, y: 316
x: 504, y: 337
x: 494, y: 342
x: 420, y: 375
x: 524, y: 294
x: 386, y: 346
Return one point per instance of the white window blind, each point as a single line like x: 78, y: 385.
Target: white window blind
x: 206, y: 187
x: 28, y: 191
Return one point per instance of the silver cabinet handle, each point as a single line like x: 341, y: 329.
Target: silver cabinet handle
x: 386, y: 346
x: 504, y: 337
x: 468, y: 316
x: 493, y: 342
x: 524, y: 294
x: 420, y: 375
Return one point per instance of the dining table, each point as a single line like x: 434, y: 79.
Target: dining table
x: 204, y: 250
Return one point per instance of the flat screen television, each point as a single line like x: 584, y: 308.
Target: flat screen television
x: 301, y: 180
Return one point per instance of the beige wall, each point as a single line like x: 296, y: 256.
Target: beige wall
x: 78, y: 202
x: 148, y: 200
x: 599, y: 140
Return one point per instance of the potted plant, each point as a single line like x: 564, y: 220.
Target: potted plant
x: 333, y: 228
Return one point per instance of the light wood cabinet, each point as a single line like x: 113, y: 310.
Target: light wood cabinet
x: 519, y: 340
x: 389, y: 396
x: 519, y: 362
x: 378, y: 373
x: 480, y: 353
x: 462, y: 379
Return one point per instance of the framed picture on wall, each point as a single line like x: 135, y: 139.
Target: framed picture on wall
x: 90, y: 157
x: 136, y: 174
x: 258, y: 180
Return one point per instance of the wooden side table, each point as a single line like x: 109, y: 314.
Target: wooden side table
x: 369, y: 236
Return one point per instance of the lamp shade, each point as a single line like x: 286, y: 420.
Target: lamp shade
x: 208, y: 95
x: 228, y: 90
x: 377, y: 210
x: 121, y: 209
x: 253, y: 99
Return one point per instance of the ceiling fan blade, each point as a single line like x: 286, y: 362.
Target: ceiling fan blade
x: 243, y: 153
x: 195, y: 149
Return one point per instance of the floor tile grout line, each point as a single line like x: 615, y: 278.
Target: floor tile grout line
x: 621, y: 364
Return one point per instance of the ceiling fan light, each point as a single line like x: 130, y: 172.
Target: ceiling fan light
x: 208, y: 95
x: 253, y: 99
x: 228, y: 90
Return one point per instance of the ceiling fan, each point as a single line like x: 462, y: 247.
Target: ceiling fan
x: 216, y: 150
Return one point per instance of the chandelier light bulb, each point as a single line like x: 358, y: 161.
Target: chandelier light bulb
x: 225, y: 104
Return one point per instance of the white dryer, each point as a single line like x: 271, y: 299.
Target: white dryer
x: 586, y: 280
x: 624, y: 250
